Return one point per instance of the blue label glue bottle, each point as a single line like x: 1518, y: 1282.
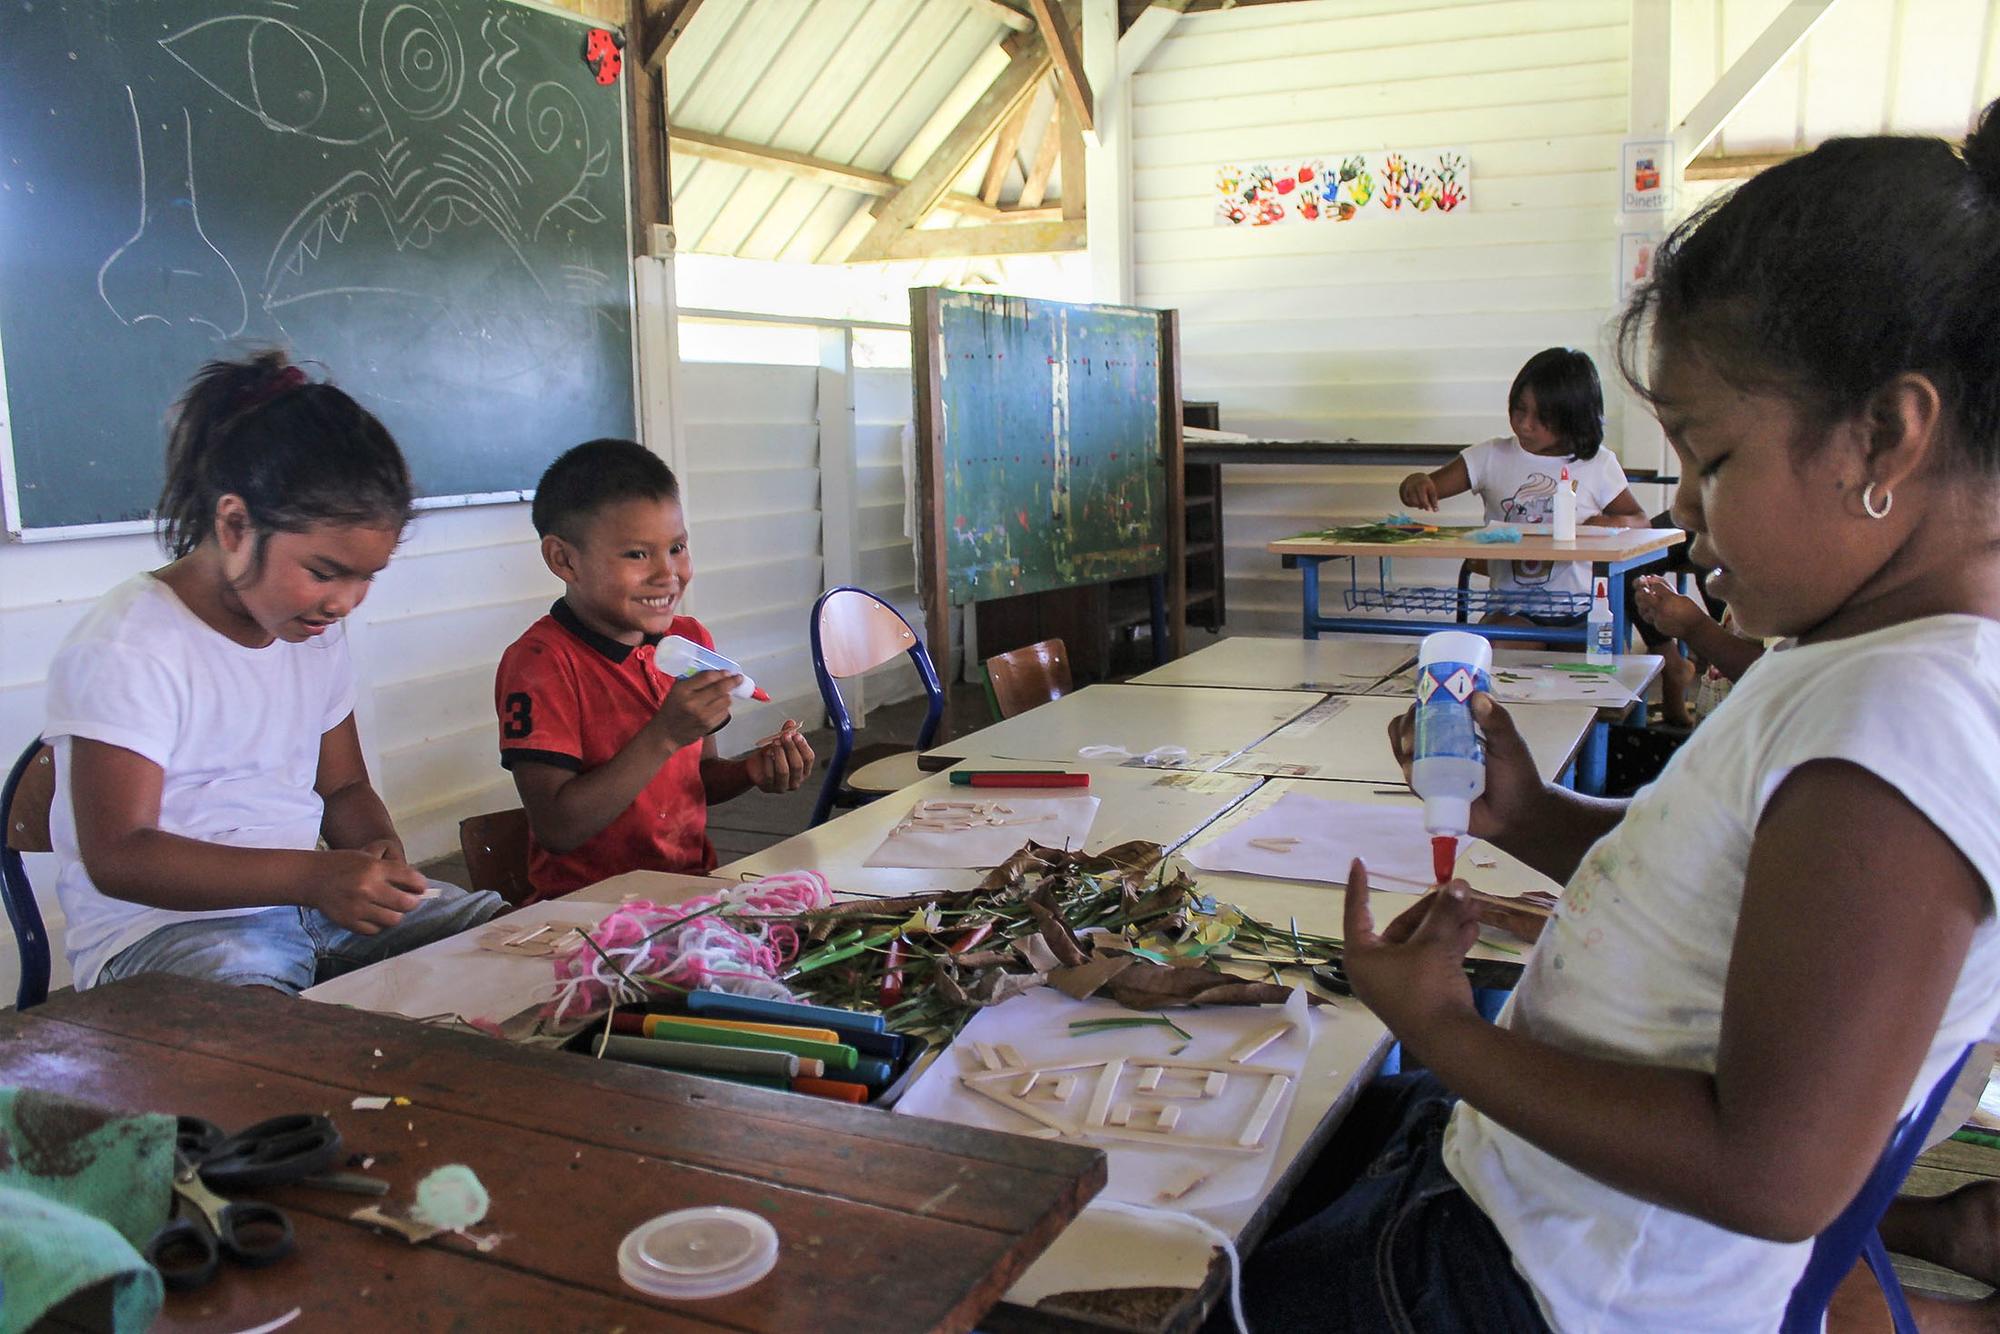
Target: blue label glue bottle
x: 1450, y: 766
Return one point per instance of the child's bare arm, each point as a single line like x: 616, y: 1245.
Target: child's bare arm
x: 116, y: 798
x: 353, y: 815
x: 1423, y: 490
x: 567, y: 810
x: 1730, y: 653
x: 1725, y: 1147
x: 1624, y: 511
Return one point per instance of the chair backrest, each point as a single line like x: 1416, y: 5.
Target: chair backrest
x: 1028, y: 677
x: 858, y: 632
x: 496, y: 853
x: 24, y: 809
x: 1852, y: 1235
x: 853, y: 631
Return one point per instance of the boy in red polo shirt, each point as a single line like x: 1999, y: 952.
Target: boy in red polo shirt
x: 615, y: 762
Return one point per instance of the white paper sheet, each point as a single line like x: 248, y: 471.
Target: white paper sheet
x: 1037, y: 1026
x: 1053, y: 822
x: 1326, y: 835
x: 1530, y: 684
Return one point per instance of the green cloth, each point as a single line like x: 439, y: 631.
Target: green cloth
x: 81, y: 1189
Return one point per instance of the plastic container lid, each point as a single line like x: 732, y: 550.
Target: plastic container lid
x: 693, y: 1253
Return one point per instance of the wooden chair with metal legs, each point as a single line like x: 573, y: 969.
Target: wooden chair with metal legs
x: 1028, y: 677
x: 496, y: 853
x: 853, y: 631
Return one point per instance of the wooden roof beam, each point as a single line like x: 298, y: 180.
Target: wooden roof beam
x: 670, y: 29
x: 1061, y: 42
x: 1036, y: 188
x: 1007, y: 238
x: 932, y: 181
x: 1005, y: 145
x: 1003, y: 12
x: 820, y: 171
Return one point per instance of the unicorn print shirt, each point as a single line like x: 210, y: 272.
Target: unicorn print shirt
x: 1520, y: 488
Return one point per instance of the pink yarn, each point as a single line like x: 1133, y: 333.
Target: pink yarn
x: 718, y: 942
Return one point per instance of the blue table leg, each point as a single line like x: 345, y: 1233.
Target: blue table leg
x: 1309, y: 567
x: 1159, y: 590
x: 1594, y: 759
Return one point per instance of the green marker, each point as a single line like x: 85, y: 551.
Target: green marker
x: 836, y: 1055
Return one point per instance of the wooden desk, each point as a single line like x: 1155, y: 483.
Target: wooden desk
x: 1339, y: 666
x: 1159, y: 806
x: 885, y: 1222
x: 1611, y: 551
x: 1347, y: 739
x: 1211, y: 724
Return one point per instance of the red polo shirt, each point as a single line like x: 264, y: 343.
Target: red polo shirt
x: 570, y: 697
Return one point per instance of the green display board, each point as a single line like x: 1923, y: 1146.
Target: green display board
x: 426, y: 198
x: 1048, y: 449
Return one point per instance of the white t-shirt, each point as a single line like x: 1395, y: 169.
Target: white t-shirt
x: 1633, y: 965
x: 236, y: 731
x: 1519, y: 487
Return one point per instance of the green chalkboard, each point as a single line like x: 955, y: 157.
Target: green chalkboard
x: 1048, y: 449
x: 426, y: 198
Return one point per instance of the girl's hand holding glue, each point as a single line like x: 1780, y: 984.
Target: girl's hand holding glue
x: 1514, y: 787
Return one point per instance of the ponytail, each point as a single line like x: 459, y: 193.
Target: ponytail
x: 299, y: 453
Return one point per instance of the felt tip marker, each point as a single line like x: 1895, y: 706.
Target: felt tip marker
x: 1016, y: 778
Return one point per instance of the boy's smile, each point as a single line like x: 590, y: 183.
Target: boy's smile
x: 628, y: 570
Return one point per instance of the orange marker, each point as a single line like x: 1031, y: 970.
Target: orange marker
x: 831, y: 1088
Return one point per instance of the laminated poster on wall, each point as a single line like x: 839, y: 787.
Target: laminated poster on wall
x: 1343, y: 187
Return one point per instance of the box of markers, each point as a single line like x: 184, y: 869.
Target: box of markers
x: 841, y: 1055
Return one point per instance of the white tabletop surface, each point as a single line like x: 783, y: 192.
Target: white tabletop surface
x: 1210, y: 723
x: 1347, y: 738
x: 1635, y: 672
x: 1318, y: 905
x: 1339, y: 666
x: 1159, y: 806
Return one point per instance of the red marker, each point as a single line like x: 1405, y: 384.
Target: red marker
x: 1444, y: 856
x: 1005, y: 778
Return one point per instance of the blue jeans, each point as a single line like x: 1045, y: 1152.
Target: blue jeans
x: 294, y: 948
x: 1379, y: 1236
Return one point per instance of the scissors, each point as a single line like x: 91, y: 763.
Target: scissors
x: 188, y: 1249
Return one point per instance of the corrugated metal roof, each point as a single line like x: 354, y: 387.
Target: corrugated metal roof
x: 873, y: 84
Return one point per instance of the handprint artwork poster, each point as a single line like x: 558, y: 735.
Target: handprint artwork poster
x: 1342, y: 189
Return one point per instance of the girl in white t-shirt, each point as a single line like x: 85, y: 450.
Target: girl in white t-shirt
x: 203, y: 713
x: 1766, y: 959
x: 1556, y: 410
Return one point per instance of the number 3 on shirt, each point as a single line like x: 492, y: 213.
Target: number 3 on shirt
x: 520, y: 720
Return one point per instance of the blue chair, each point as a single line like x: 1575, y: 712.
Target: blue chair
x: 853, y: 631
x: 1853, y: 1236
x: 31, y: 787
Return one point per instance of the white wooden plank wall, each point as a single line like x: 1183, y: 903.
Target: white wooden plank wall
x: 1388, y: 329
x: 466, y: 582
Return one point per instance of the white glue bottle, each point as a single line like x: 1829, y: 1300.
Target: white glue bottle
x: 1564, y: 514
x: 679, y: 658
x: 1600, y: 645
x: 1449, y: 770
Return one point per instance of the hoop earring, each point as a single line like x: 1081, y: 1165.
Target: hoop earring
x: 1868, y: 502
